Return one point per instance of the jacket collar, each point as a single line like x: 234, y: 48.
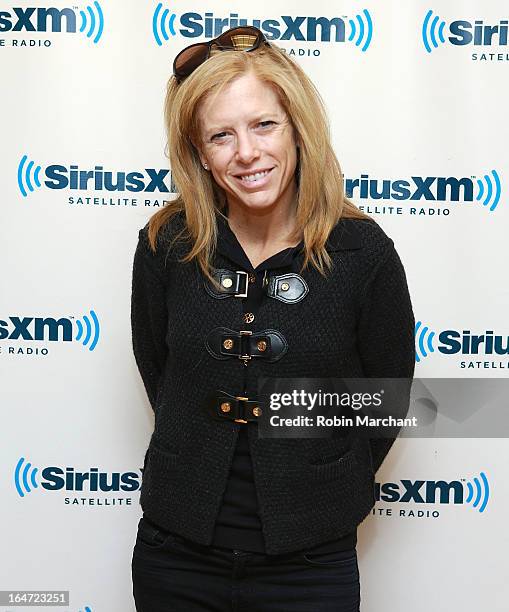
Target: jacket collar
x: 229, y: 246
x: 344, y: 236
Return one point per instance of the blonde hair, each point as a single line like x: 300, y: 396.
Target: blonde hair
x: 321, y: 201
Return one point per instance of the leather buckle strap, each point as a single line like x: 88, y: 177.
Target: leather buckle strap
x: 225, y: 343
x: 237, y: 408
x: 232, y: 283
x: 289, y: 288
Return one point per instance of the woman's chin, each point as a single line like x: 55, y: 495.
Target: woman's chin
x: 255, y: 202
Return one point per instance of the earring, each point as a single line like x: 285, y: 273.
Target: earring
x: 205, y: 166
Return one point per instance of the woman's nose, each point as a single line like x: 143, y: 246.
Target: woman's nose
x: 247, y: 148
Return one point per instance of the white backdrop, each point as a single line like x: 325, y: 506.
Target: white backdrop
x: 417, y: 106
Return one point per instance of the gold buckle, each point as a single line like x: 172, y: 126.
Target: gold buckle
x: 243, y: 295
x: 245, y: 332
x: 239, y: 397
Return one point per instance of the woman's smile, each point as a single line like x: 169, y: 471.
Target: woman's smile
x: 255, y: 180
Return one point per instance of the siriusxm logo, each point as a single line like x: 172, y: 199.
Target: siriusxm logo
x: 462, y: 32
x: 58, y: 176
x: 89, y: 22
x: 486, y: 191
x: 475, y: 492
x: 53, y: 478
x: 452, y: 341
x: 66, y: 329
x: 358, y: 31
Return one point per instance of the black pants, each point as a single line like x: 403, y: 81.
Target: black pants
x: 173, y: 574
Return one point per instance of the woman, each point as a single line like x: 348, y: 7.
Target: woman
x: 261, y: 267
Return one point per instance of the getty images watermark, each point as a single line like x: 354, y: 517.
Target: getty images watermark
x: 383, y: 407
x: 320, y: 399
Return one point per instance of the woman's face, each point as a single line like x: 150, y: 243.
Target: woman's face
x: 245, y: 131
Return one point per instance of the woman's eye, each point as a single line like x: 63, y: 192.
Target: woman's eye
x: 219, y: 135
x: 223, y: 135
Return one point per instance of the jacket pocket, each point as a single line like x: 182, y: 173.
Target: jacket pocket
x: 169, y: 458
x: 333, y: 467
x: 162, y: 472
x: 158, y: 461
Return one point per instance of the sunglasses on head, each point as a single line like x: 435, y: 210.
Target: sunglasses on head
x: 243, y: 38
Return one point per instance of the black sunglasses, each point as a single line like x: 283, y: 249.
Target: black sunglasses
x: 243, y: 38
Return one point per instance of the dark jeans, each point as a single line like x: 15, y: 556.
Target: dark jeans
x: 173, y: 574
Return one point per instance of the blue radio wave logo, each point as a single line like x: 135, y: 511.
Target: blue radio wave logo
x: 92, y: 21
x: 160, y: 21
x: 87, y: 609
x: 88, y: 329
x: 22, y: 475
x: 429, y: 31
x: 478, y: 493
x: 423, y: 341
x: 365, y: 30
x: 27, y: 174
x: 493, y: 190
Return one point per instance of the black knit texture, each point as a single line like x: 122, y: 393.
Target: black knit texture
x: 356, y: 322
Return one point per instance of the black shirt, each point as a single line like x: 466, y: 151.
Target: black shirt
x: 238, y: 525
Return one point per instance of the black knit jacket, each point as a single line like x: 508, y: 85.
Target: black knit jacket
x: 356, y: 322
